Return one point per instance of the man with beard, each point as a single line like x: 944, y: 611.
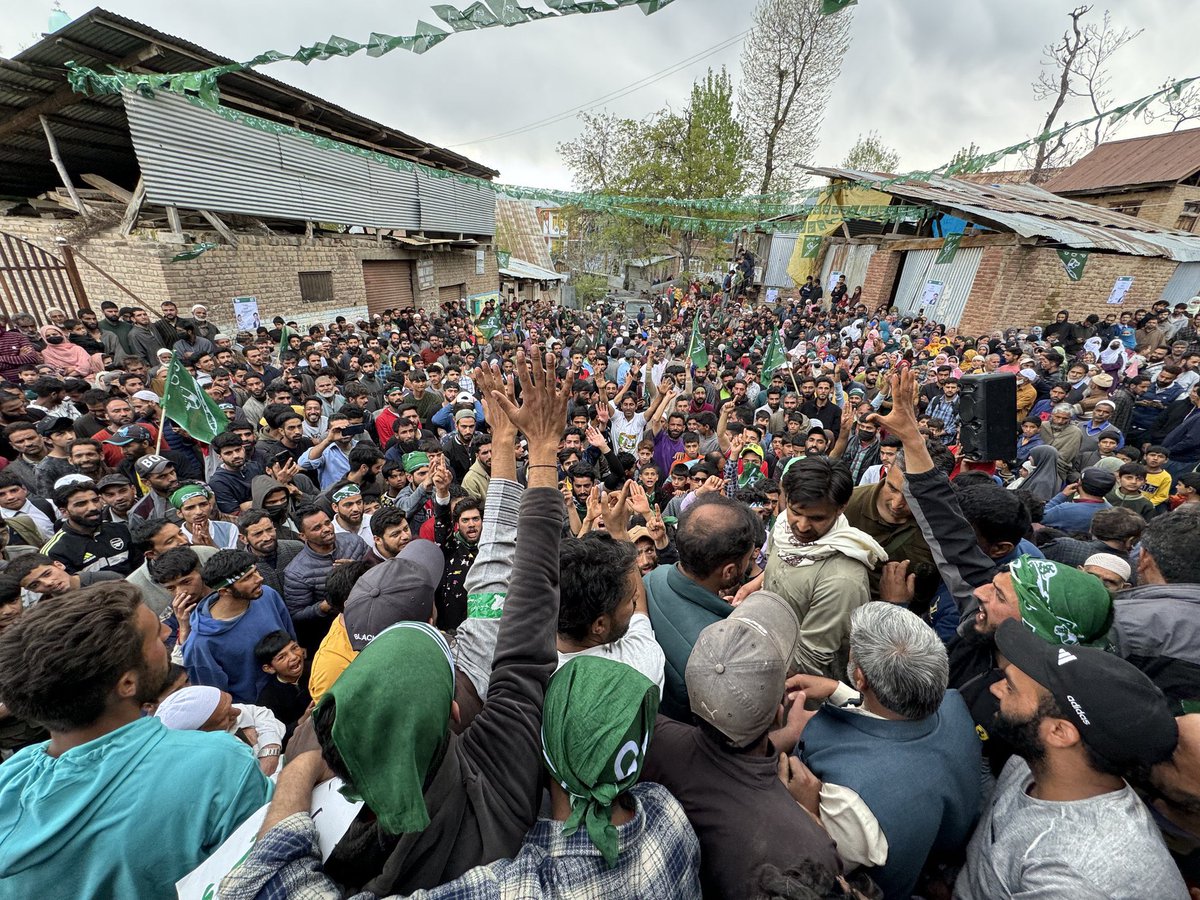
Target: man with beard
x: 229, y: 622
x: 119, y: 413
x: 113, y: 324
x: 272, y: 553
x: 304, y: 577
x: 29, y: 450
x: 86, y: 543
x: 386, y: 418
x: 199, y: 321
x: 475, y: 482
x: 668, y: 441
x: 390, y: 534
x: 346, y: 500
x: 256, y: 397
x: 118, y: 495
x: 103, y: 649
x: 167, y: 327
x: 160, y: 478
x: 232, y: 478
x: 87, y: 456
x: 144, y: 341
x: 1059, y: 433
x: 1063, y: 822
x: 716, y: 540
x: 457, y: 527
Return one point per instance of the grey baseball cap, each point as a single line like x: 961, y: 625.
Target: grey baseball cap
x: 738, y: 668
x: 399, y: 590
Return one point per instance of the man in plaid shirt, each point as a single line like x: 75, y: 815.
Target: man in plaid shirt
x: 945, y: 407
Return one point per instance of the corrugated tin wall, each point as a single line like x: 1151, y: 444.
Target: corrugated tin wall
x: 958, y: 276
x: 779, y: 252
x: 1184, y: 284
x: 196, y: 159
x: 849, y: 259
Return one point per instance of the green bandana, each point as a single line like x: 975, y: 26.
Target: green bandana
x: 342, y: 493
x: 596, y: 725
x: 1061, y: 604
x: 391, y: 721
x: 187, y: 492
x: 415, y: 460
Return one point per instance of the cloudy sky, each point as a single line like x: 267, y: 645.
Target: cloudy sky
x: 930, y: 76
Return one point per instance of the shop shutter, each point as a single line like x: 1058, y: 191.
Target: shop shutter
x: 389, y: 284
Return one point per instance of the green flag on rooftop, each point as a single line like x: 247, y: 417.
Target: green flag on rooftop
x: 189, y: 407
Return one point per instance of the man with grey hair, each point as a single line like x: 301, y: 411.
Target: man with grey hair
x: 896, y: 757
x: 1059, y: 433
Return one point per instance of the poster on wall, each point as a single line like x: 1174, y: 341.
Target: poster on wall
x: 245, y: 313
x: 1120, y: 288
x: 772, y: 295
x: 833, y: 280
x: 932, y: 294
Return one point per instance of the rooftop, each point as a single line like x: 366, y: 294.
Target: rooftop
x: 93, y: 133
x: 1134, y: 162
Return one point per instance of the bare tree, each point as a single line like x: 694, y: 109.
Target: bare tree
x: 1054, y: 81
x: 792, y: 58
x: 1176, y: 108
x: 871, y: 154
x: 1091, y: 65
x: 1077, y: 67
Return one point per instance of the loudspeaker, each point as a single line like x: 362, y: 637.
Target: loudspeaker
x: 987, y: 414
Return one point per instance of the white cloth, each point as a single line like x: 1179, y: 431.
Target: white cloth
x: 189, y: 708
x: 842, y: 538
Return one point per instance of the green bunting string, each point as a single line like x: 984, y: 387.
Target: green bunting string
x: 492, y: 14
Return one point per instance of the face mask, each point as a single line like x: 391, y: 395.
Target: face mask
x: 54, y: 339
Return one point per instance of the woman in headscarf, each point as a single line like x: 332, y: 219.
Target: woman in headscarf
x: 1042, y: 478
x: 1113, y: 359
x: 71, y: 360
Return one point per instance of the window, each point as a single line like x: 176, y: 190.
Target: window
x: 1191, y: 216
x: 1130, y: 209
x: 316, y: 287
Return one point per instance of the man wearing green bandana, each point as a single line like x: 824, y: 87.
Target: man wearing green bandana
x: 438, y: 803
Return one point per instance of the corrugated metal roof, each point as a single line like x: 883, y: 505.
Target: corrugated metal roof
x: 1154, y: 159
x: 519, y: 231
x: 100, y: 38
x: 518, y: 268
x: 1036, y: 213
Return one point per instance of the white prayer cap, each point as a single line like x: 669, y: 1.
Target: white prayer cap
x: 189, y: 708
x: 1111, y: 563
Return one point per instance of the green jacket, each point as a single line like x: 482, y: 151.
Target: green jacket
x: 679, y: 610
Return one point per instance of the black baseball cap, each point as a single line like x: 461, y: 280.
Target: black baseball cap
x: 1119, y: 712
x: 54, y: 425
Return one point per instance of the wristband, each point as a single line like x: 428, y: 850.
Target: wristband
x: 269, y: 752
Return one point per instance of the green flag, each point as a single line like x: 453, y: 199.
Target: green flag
x: 1073, y: 262
x: 503, y: 257
x: 285, y: 335
x: 194, y: 252
x: 812, y: 244
x: 829, y: 7
x: 773, y: 358
x: 489, y: 326
x: 185, y: 404
x: 949, y: 248
x: 696, y: 352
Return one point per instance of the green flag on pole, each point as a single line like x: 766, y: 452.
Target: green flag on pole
x: 812, y: 244
x: 285, y: 334
x: 185, y: 404
x: 949, y: 248
x: 696, y: 352
x: 773, y: 358
x: 1073, y: 262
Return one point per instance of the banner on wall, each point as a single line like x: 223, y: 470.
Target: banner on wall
x: 245, y: 313
x: 949, y: 249
x: 833, y: 280
x: 1120, y: 288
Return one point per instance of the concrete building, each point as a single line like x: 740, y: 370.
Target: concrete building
x: 308, y: 207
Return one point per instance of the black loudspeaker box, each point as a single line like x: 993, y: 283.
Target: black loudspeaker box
x: 988, y: 416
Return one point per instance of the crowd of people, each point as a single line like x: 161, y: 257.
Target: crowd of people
x: 706, y: 601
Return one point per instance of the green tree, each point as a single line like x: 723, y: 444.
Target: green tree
x: 871, y: 154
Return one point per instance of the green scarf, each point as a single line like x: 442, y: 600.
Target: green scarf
x: 187, y: 492
x: 390, y: 721
x: 596, y: 725
x: 1061, y: 604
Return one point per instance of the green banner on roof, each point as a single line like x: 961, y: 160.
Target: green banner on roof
x: 949, y: 249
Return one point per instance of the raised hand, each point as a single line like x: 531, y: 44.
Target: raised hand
x: 595, y: 508
x: 902, y: 420
x: 639, y: 503
x: 489, y: 381
x: 542, y: 414
x: 616, y: 518
x: 595, y: 438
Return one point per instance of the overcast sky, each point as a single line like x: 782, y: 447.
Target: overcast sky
x: 930, y: 76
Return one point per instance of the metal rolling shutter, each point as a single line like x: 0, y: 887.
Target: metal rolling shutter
x: 958, y: 276
x: 451, y: 293
x: 389, y: 284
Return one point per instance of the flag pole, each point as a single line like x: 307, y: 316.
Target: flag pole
x: 162, y: 421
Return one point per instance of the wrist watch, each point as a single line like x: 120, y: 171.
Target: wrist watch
x: 268, y: 752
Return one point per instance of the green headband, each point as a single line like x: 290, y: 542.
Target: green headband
x: 187, y: 492
x: 232, y: 579
x: 1059, y: 603
x: 415, y: 460
x: 349, y: 490
x: 597, y: 721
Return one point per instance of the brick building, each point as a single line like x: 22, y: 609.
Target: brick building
x: 310, y: 208
x: 1007, y: 270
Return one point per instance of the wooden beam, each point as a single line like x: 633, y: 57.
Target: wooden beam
x: 65, y: 96
x: 220, y: 227
x: 81, y: 297
x: 46, y: 73
x: 76, y: 47
x: 100, y: 183
x: 62, y: 169
x: 135, y: 206
x: 308, y: 230
x: 173, y: 220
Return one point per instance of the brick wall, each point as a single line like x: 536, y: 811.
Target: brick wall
x: 1162, y: 206
x: 262, y: 266
x: 881, y: 277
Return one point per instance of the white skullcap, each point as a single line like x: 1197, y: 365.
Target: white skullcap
x: 70, y: 478
x: 1112, y: 563
x: 189, y: 708
x: 148, y: 396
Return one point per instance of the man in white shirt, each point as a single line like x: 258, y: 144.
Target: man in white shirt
x: 348, y: 516
x: 15, y: 501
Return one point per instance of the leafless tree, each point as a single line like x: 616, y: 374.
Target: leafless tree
x: 1177, y: 109
x: 791, y: 60
x: 1076, y: 66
